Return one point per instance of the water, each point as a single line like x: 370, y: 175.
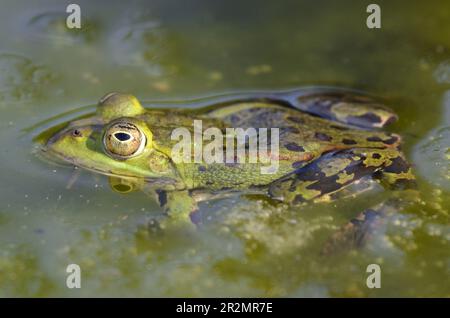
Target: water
x: 179, y: 50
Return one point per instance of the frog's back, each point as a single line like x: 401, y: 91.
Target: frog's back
x: 302, y: 132
x: 302, y: 139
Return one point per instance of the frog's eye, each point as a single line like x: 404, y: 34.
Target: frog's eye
x: 123, y: 140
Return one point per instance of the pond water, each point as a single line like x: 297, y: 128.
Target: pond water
x: 183, y: 50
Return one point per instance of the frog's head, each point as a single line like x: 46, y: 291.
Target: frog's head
x: 116, y: 142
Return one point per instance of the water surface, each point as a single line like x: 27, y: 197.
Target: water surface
x: 182, y: 50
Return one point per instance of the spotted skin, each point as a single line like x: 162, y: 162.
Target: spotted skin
x: 335, y: 171
x: 303, y: 138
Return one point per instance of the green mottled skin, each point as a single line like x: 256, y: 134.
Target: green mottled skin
x: 328, y: 140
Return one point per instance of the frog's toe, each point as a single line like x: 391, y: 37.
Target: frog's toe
x: 354, y: 234
x: 161, y: 226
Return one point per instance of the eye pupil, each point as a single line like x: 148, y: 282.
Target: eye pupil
x: 123, y: 139
x: 76, y: 133
x: 122, y: 136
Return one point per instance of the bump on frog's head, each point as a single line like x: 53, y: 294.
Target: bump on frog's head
x: 115, y: 105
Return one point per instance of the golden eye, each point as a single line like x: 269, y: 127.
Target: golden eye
x: 123, y: 140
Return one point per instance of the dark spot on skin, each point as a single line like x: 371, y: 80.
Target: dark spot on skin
x: 398, y: 165
x: 298, y: 199
x: 202, y: 168
x: 296, y: 120
x: 292, y: 187
x: 339, y: 127
x: 234, y: 119
x: 377, y: 175
x: 292, y: 146
x: 319, y: 105
x: 322, y: 136
x: 77, y: 133
x: 122, y: 136
x: 390, y: 120
x: 162, y: 197
x: 267, y: 118
x: 376, y: 156
x: 311, y: 172
x: 298, y: 164
x: 364, y: 120
x: 359, y: 170
x: 286, y: 130
x: 326, y: 185
x: 209, y: 182
x: 374, y: 138
x: 346, y: 141
x: 391, y: 140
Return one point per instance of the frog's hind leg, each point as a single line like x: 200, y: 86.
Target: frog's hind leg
x: 343, y: 106
x: 323, y: 178
x: 395, y: 175
x: 359, y: 230
x: 332, y: 175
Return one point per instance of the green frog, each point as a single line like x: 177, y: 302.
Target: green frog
x: 330, y: 144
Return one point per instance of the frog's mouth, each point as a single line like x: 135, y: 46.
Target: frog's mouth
x: 52, y: 156
x: 45, y: 154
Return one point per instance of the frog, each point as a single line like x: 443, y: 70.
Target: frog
x: 331, y: 144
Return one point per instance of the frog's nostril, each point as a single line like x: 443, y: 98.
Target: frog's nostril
x: 76, y: 133
x: 121, y: 136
